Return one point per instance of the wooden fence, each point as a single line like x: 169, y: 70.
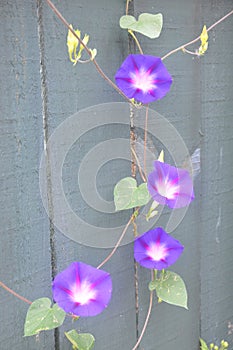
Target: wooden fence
x: 39, y: 90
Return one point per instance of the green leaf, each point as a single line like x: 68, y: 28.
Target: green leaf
x: 203, y: 345
x: 140, y: 196
x: 81, y: 341
x: 41, y: 316
x: 123, y: 192
x: 170, y: 288
x: 152, y: 285
x: 147, y: 24
x: 127, y: 195
x: 126, y: 21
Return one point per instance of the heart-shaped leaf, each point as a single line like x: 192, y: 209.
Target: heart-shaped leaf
x: 127, y: 195
x: 80, y: 341
x: 147, y: 24
x: 140, y: 196
x: 170, y: 288
x: 41, y: 316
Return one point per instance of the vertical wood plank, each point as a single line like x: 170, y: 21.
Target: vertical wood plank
x: 70, y: 89
x: 203, y: 108
x: 217, y: 190
x: 173, y: 327
x: 24, y: 238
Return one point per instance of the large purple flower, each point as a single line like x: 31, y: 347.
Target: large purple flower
x: 171, y: 186
x: 144, y: 78
x: 155, y: 249
x: 82, y: 290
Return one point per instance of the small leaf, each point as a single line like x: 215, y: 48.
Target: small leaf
x: 72, y: 41
x: 85, y: 41
x: 80, y: 341
x: 41, y: 316
x: 152, y: 212
x: 74, y: 45
x: 127, y: 195
x: 161, y: 156
x: 151, y: 215
x: 204, y: 41
x: 147, y: 24
x: 203, y: 345
x: 171, y: 288
x: 204, y: 35
x: 93, y: 53
x: 203, y: 49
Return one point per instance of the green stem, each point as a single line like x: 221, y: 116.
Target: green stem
x: 136, y: 40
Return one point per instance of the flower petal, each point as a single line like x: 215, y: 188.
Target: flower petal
x: 170, y: 185
x: 82, y: 290
x: 144, y: 78
x: 155, y: 249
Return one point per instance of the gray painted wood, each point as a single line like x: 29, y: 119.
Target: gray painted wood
x: 172, y: 327
x: 24, y: 238
x: 70, y: 89
x: 216, y: 189
x: 199, y: 106
x: 201, y: 100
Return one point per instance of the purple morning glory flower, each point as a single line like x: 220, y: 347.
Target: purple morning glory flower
x: 171, y: 186
x: 82, y: 290
x: 155, y: 249
x: 144, y: 78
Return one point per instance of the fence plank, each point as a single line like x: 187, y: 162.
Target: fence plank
x: 70, y: 89
x: 24, y: 239
x: 216, y: 189
x: 201, y: 119
x: 172, y: 327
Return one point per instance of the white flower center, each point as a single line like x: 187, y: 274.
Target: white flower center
x: 157, y: 251
x: 143, y: 80
x: 83, y: 293
x: 167, y: 189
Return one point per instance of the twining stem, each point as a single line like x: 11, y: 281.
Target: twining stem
x: 147, y: 316
x: 118, y: 242
x: 198, y: 38
x: 14, y: 293
x: 136, y: 41
x: 190, y: 52
x: 127, y: 7
x: 99, y: 69
x: 145, y: 136
x: 138, y: 164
